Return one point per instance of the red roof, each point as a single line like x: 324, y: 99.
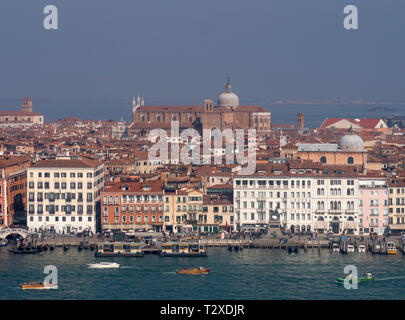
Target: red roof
x: 19, y: 113
x: 245, y: 108
x: 364, y: 122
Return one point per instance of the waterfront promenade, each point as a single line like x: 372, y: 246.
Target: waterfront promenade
x: 264, y: 242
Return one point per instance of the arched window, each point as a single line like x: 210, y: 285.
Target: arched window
x: 350, y: 160
x: 158, y: 118
x: 323, y: 159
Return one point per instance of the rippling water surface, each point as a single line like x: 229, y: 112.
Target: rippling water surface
x: 250, y: 274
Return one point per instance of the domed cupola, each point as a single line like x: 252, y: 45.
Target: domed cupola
x: 228, y: 98
x: 351, y: 142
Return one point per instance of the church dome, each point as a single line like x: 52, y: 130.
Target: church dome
x: 228, y: 98
x: 351, y: 142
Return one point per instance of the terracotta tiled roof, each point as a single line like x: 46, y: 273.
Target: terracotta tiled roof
x: 18, y: 113
x: 364, y: 122
x: 74, y: 163
x: 10, y: 161
x: 134, y: 187
x: 199, y: 109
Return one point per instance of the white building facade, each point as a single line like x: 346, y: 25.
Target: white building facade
x: 306, y: 201
x: 64, y: 195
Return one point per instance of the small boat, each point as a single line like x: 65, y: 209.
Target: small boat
x: 3, y: 242
x: 350, y: 248
x: 391, y: 248
x: 25, y: 250
x: 199, y: 270
x: 103, y: 265
x: 36, y: 285
x: 361, y: 248
x: 335, y: 247
x: 367, y: 277
x: 376, y: 248
x: 293, y: 249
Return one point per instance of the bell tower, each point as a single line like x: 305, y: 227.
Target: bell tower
x: 300, y: 120
x: 26, y: 104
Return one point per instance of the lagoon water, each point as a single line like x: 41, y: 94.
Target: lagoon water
x: 249, y: 274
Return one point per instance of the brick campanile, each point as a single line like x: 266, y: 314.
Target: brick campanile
x: 300, y: 120
x: 26, y: 104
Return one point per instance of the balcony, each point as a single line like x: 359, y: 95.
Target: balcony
x: 335, y: 211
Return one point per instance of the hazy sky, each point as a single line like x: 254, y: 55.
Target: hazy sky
x: 183, y: 50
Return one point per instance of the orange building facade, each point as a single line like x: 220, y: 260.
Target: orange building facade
x: 132, y: 205
x: 13, y: 190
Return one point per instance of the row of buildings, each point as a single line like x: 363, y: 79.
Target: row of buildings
x: 71, y: 195
x: 70, y: 175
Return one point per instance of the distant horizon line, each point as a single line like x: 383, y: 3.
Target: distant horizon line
x: 174, y: 101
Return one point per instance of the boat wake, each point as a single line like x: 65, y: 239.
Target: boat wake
x: 171, y: 272
x: 389, y: 278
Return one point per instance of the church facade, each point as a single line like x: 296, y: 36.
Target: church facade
x: 226, y: 114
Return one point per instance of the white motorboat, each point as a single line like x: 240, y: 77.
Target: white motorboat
x: 350, y: 248
x: 103, y: 265
x: 361, y: 248
x: 335, y: 247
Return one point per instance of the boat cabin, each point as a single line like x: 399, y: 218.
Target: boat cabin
x: 118, y: 248
x: 182, y: 248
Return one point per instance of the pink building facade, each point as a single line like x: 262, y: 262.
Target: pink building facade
x: 373, y: 205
